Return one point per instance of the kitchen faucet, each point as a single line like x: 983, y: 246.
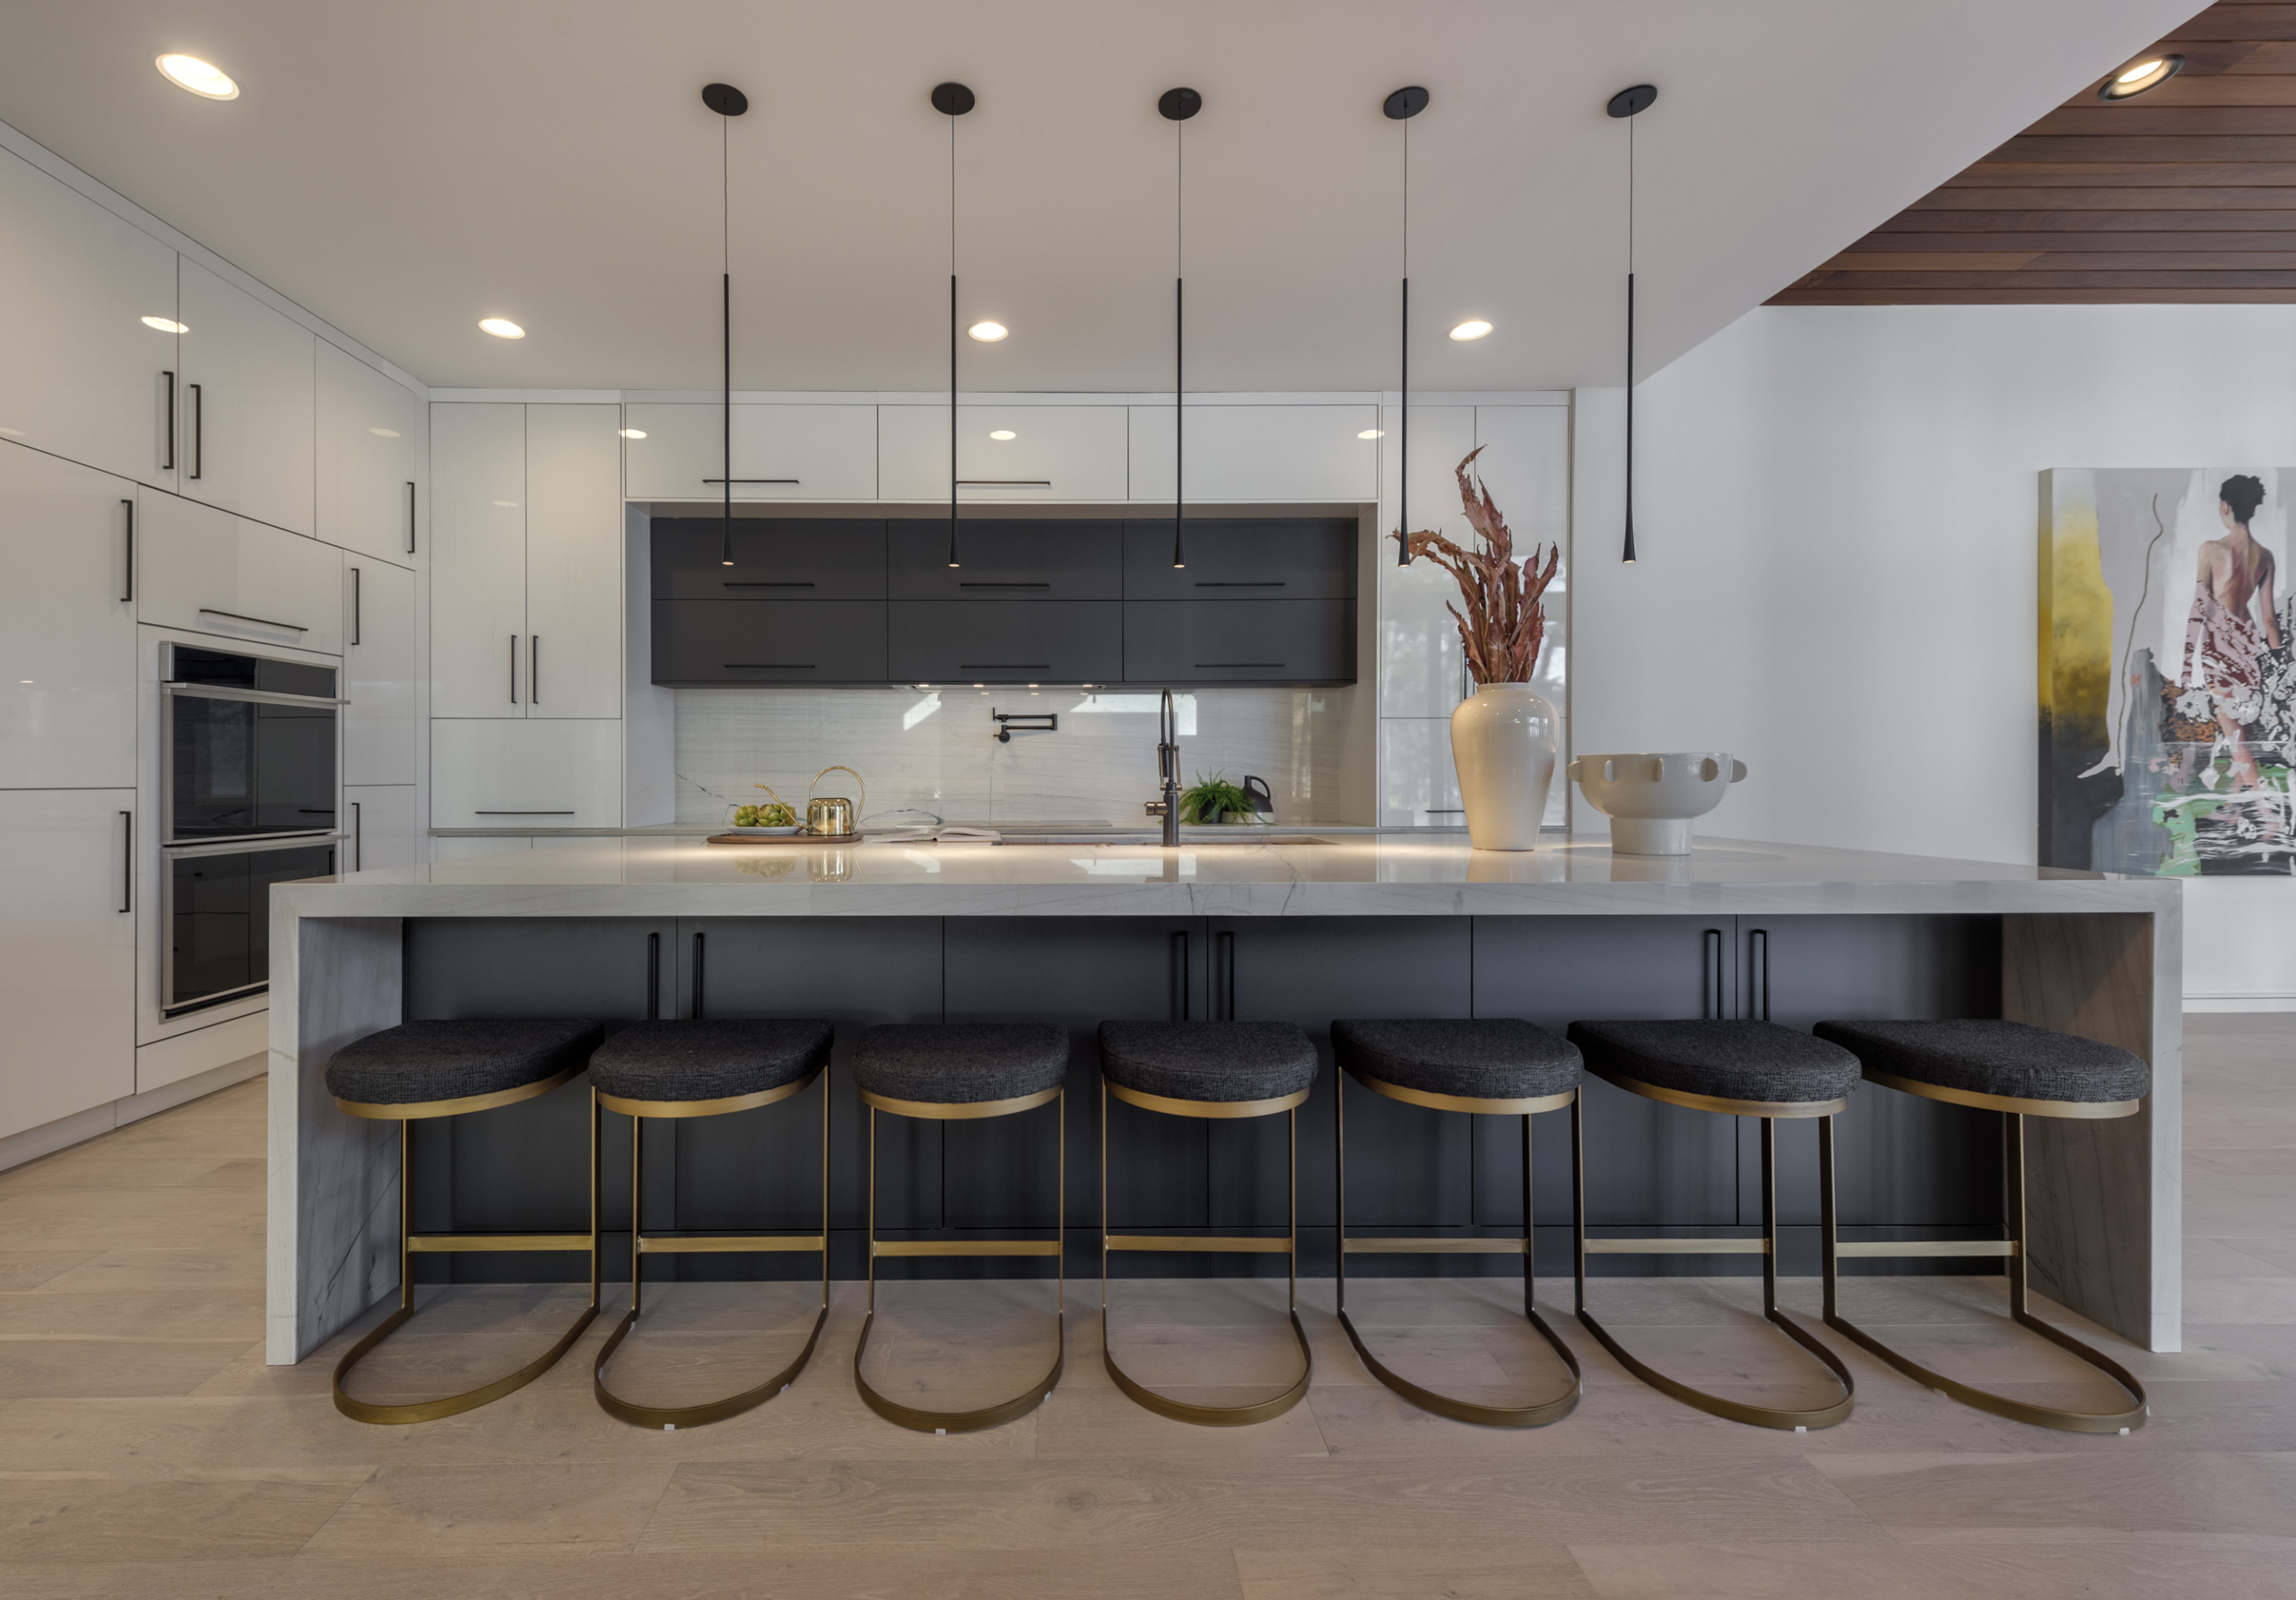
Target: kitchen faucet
x: 1167, y: 769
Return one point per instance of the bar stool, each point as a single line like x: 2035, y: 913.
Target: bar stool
x: 1737, y: 1069
x: 2020, y: 1070
x: 1497, y: 1066
x: 420, y: 1070
x: 688, y: 1068
x: 1209, y: 1070
x: 957, y: 1072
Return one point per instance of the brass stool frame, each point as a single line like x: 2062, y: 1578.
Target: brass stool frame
x: 1213, y: 1416
x: 673, y: 1417
x: 1766, y: 1246
x: 412, y: 1244
x: 1037, y: 1393
x: 1459, y: 1410
x: 2012, y: 1249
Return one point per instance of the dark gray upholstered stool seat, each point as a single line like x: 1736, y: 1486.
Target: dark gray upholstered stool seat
x: 1756, y: 1063
x: 702, y: 1060
x: 1489, y: 1058
x: 2002, y: 1060
x: 960, y: 1063
x: 1214, y: 1063
x: 418, y: 1063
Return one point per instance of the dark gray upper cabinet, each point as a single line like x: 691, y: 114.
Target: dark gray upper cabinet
x: 1238, y: 641
x: 769, y: 641
x: 1259, y: 558
x: 774, y: 559
x: 1005, y: 641
x: 1004, y: 560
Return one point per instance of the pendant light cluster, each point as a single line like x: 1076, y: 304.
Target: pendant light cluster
x: 1628, y: 104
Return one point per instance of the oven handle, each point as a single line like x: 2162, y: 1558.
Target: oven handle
x: 262, y: 697
x: 247, y: 846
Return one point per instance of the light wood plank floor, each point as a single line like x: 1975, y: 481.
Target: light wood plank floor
x: 146, y: 1450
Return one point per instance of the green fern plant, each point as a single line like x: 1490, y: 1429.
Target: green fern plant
x: 1202, y: 802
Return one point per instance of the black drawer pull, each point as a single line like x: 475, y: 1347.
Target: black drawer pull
x: 1202, y: 665
x: 1258, y: 583
x: 1005, y: 482
x: 522, y: 814
x: 1004, y: 667
x: 1004, y: 585
x: 768, y: 583
x: 749, y: 481
x: 769, y: 666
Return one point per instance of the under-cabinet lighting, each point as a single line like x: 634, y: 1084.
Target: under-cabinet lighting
x: 201, y: 78
x: 501, y: 328
x: 1373, y: 433
x: 2148, y: 74
x: 165, y: 324
x: 1003, y: 433
x: 384, y: 432
x: 989, y: 333
x: 1471, y: 329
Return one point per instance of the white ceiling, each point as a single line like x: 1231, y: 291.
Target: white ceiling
x: 404, y: 169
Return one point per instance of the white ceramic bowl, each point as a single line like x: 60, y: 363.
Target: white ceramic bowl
x: 1651, y: 799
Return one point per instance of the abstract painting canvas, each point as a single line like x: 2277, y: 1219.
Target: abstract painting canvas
x: 2168, y: 696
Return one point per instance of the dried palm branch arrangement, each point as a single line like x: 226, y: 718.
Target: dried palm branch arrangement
x: 1504, y: 624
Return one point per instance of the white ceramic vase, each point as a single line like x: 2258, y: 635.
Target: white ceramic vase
x: 1502, y: 743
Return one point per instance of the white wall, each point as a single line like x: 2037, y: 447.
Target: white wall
x: 1836, y: 516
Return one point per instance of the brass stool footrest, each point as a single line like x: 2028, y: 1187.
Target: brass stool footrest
x: 1435, y: 1246
x: 1185, y: 1242
x: 732, y: 1244
x: 1677, y: 1246
x: 964, y: 1247
x: 1535, y: 1415
x: 963, y: 1421
x: 1211, y: 1416
x: 1736, y: 1410
x: 427, y: 1411
x: 449, y: 1244
x: 694, y: 1416
x: 2020, y: 1411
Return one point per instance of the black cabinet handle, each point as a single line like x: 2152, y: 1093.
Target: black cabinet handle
x: 790, y: 481
x: 198, y: 429
x: 1713, y: 1001
x: 410, y: 518
x: 358, y: 839
x: 1005, y: 482
x: 766, y: 583
x: 696, y: 1013
x: 127, y: 860
x: 534, y: 669
x: 1225, y: 963
x: 768, y: 666
x: 653, y: 977
x: 1238, y: 583
x: 168, y: 466
x: 209, y: 611
x: 514, y: 669
x: 1203, y: 666
x: 1179, y: 1002
x: 356, y: 607
x: 522, y: 814
x: 1004, y: 585
x: 1758, y: 975
x: 1004, y: 666
x: 127, y: 584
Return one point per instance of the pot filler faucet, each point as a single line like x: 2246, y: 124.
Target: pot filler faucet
x: 1168, y: 770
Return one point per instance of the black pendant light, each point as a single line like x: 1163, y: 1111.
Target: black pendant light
x: 728, y: 102
x: 1629, y: 103
x: 1177, y: 105
x: 953, y: 101
x: 1402, y: 106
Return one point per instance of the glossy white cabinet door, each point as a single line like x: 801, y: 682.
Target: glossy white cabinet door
x: 1421, y: 667
x: 366, y: 458
x: 574, y: 534
x: 249, y: 403
x: 1292, y: 453
x: 67, y: 953
x: 478, y: 560
x: 830, y: 450
x: 67, y: 627
x: 81, y: 372
x: 379, y: 818
x: 211, y: 572
x: 1057, y: 452
x: 378, y: 672
x: 516, y: 772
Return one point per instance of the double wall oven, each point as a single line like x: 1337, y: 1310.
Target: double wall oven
x: 251, y: 748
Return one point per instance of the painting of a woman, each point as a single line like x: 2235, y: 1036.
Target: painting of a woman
x: 2231, y: 625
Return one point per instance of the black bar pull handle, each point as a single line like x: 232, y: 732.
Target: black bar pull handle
x: 127, y: 582
x: 1712, y: 1000
x: 1758, y: 973
x: 534, y: 669
x: 696, y: 1011
x: 358, y: 839
x: 168, y: 465
x: 653, y: 977
x: 354, y: 605
x: 514, y: 669
x: 1227, y: 971
x: 198, y: 429
x: 410, y: 517
x: 1180, y: 1001
x: 127, y: 860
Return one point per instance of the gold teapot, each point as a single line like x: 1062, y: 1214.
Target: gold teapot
x: 834, y: 815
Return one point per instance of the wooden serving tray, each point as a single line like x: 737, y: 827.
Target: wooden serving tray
x: 790, y: 838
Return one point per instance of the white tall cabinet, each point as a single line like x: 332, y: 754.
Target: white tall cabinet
x: 67, y: 624
x: 67, y: 953
x: 245, y: 433
x: 367, y: 428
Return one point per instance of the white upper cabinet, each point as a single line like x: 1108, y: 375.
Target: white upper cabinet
x: 1294, y: 453
x: 478, y: 560
x: 67, y: 625
x: 82, y: 374
x: 488, y: 772
x: 366, y: 442
x: 378, y: 733
x: 211, y: 572
x: 245, y: 426
x: 1055, y: 453
x: 67, y: 953
x: 784, y: 452
x: 573, y: 560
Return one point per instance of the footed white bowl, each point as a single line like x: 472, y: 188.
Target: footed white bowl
x: 1651, y: 800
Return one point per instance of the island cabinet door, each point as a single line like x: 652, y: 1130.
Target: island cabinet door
x: 1240, y: 641
x: 1005, y: 641
x: 1266, y: 558
x: 769, y: 641
x: 695, y: 558
x: 1006, y: 560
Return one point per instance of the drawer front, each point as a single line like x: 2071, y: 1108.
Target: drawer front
x: 500, y: 772
x: 1265, y: 558
x: 1006, y: 642
x: 800, y: 559
x: 1049, y: 453
x: 1007, y: 561
x: 678, y: 452
x: 211, y: 572
x: 769, y: 641
x: 1240, y: 641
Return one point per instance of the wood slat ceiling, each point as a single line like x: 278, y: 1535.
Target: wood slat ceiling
x: 2185, y: 193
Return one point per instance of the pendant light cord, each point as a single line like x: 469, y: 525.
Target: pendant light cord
x: 1627, y: 558
x: 1402, y: 409
x: 952, y: 342
x: 726, y: 317
x: 1179, y: 340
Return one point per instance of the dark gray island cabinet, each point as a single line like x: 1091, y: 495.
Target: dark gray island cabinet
x: 1395, y: 925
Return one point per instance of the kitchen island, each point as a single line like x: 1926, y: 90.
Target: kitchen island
x: 1076, y: 932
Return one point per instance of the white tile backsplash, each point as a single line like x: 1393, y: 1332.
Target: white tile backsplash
x: 936, y: 750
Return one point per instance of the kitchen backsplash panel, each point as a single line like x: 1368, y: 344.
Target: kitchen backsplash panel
x: 936, y: 750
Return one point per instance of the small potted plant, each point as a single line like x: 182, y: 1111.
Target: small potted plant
x: 1215, y: 799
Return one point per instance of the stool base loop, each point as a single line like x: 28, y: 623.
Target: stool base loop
x: 1535, y: 1415
x: 1737, y: 1411
x: 692, y: 1416
x: 963, y: 1421
x: 429, y: 1411
x: 1211, y: 1416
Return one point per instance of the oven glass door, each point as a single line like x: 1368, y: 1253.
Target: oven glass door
x: 218, y: 919
x: 253, y: 767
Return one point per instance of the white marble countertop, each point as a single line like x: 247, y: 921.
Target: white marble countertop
x: 1377, y: 875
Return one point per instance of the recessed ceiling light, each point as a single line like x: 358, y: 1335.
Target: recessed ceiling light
x: 1470, y: 330
x: 384, y: 432
x: 633, y: 433
x: 1003, y: 433
x: 1373, y: 433
x: 190, y: 72
x: 501, y: 328
x: 2139, y: 76
x: 989, y: 333
x: 165, y: 324
x: 12, y: 432
x: 513, y: 505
